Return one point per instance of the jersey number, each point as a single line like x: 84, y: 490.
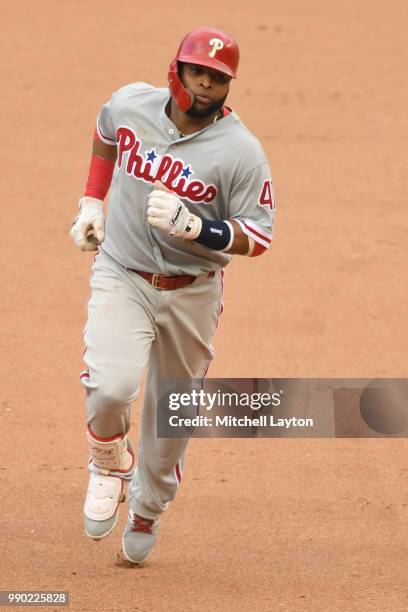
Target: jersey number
x: 266, y: 197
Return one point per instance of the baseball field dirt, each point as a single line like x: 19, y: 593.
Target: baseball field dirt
x: 286, y: 524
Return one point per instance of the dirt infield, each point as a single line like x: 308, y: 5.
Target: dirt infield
x: 314, y: 525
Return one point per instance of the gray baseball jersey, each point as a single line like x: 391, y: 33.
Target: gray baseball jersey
x: 220, y: 172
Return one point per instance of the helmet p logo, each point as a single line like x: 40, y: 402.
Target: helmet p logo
x: 217, y: 45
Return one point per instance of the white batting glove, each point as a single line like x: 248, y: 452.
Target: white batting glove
x: 166, y: 212
x: 88, y: 228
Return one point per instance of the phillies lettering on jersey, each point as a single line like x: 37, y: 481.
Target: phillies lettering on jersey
x: 221, y: 172
x: 170, y: 171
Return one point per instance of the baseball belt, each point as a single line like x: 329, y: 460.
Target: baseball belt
x: 168, y: 283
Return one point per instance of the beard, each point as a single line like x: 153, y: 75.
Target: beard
x: 201, y: 113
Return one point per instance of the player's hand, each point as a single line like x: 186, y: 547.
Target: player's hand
x: 166, y: 212
x: 88, y: 228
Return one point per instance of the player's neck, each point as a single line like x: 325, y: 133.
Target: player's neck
x: 186, y: 124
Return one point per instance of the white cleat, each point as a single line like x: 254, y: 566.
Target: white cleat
x: 101, y: 509
x: 110, y: 467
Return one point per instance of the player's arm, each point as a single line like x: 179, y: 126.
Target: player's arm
x: 88, y: 227
x: 240, y: 244
x: 226, y: 236
x: 105, y: 151
x: 169, y: 214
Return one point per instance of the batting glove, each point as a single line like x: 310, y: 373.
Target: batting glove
x: 166, y: 212
x: 88, y: 227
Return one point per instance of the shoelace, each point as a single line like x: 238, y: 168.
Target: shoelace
x: 142, y: 524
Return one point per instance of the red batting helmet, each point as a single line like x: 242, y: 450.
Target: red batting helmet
x: 207, y: 47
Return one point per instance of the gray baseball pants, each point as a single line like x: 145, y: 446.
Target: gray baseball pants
x: 130, y: 326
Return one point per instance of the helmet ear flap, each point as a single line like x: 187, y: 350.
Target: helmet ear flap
x: 183, y: 98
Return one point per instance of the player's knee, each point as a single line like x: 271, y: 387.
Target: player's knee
x: 112, y: 392
x: 116, y: 393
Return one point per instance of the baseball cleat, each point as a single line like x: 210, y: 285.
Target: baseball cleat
x: 139, y: 537
x: 110, y: 467
x: 101, y: 509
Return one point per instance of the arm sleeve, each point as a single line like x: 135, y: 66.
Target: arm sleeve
x: 252, y: 204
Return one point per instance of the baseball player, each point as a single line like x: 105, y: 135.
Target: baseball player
x: 189, y: 187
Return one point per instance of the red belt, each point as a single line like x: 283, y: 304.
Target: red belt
x: 166, y: 283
